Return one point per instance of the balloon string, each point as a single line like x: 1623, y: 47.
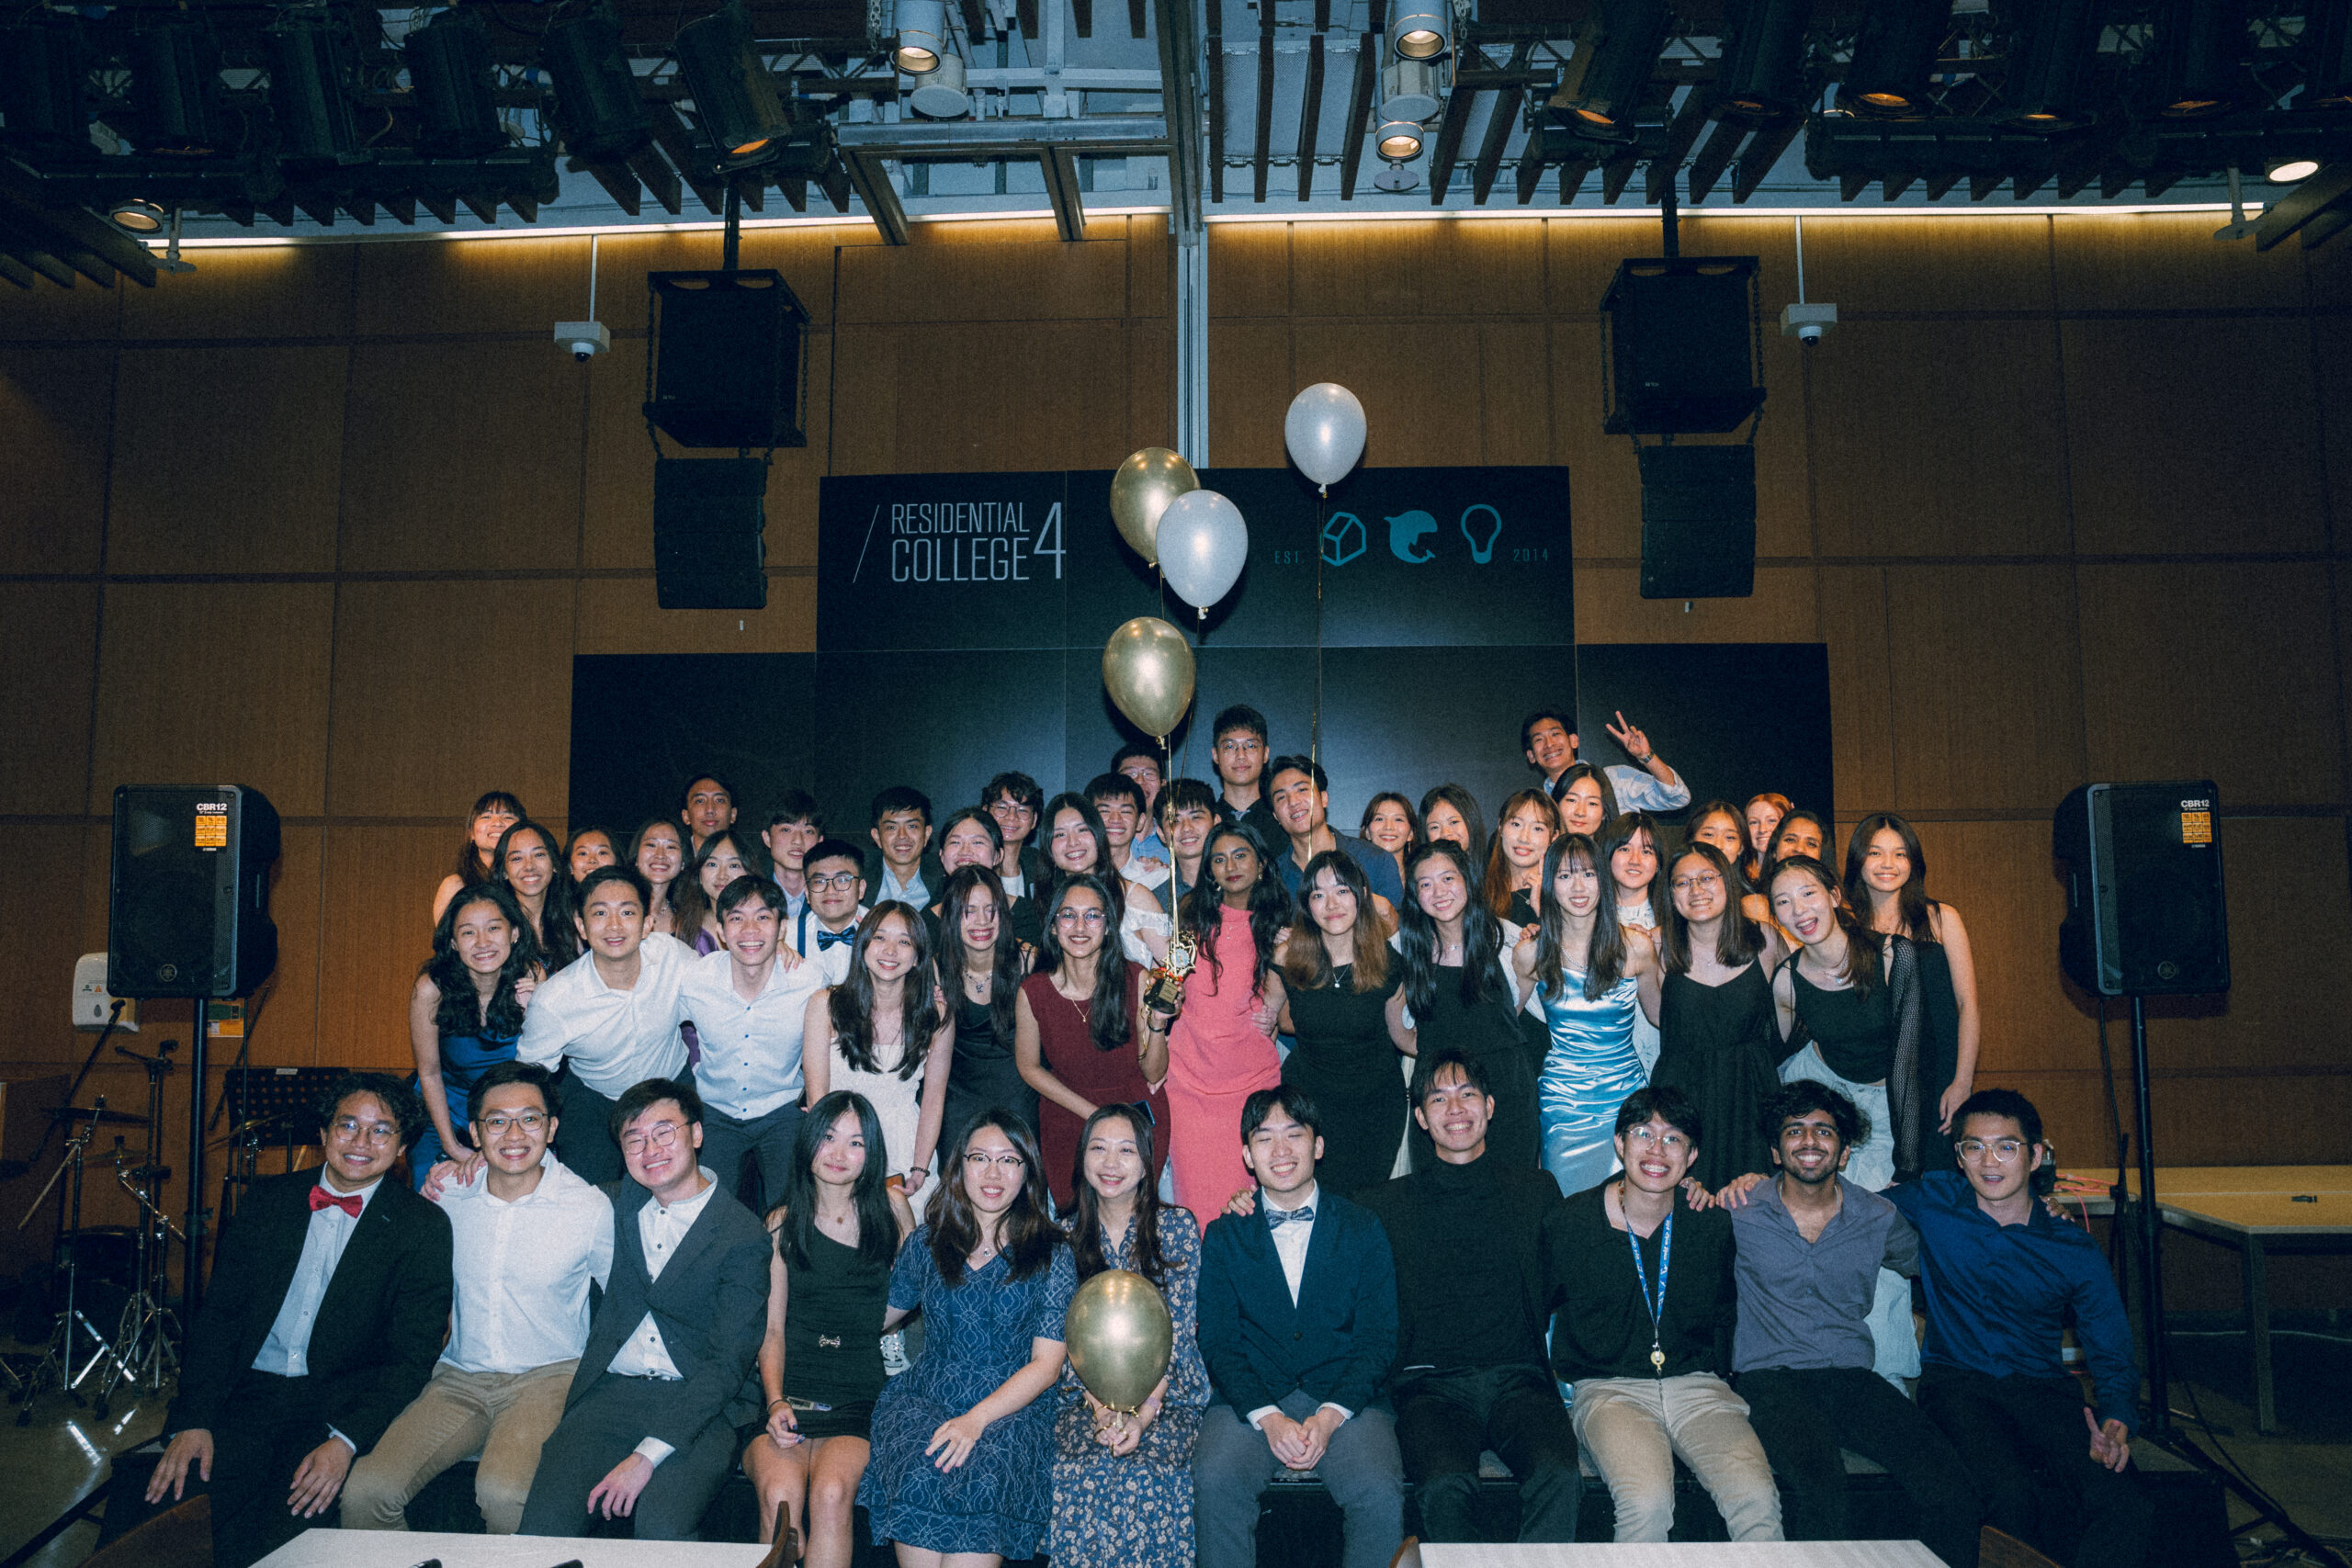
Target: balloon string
x: 1315, y: 724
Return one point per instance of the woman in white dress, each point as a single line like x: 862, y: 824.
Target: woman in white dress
x: 884, y: 1032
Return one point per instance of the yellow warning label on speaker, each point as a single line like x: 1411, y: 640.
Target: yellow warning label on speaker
x: 211, y: 831
x: 2195, y: 827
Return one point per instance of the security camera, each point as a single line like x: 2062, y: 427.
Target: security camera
x: 585, y: 340
x: 1808, y: 324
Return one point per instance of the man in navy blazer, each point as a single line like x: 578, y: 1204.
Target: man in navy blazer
x: 1298, y: 1325
x: 328, y: 1302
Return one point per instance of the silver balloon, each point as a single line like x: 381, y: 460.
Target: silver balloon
x: 1141, y: 489
x: 1203, y: 543
x: 1147, y: 669
x: 1325, y: 430
x: 1119, y: 1336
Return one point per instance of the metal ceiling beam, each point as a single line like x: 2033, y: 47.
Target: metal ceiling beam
x: 872, y: 183
x: 1681, y: 135
x: 1572, y: 173
x: 1060, y: 167
x: 1310, y: 114
x: 2301, y: 205
x: 1723, y: 145
x: 17, y: 272
x: 987, y: 141
x: 619, y: 184
x: 659, y: 177
x: 1756, y: 158
x: 1615, y: 174
x: 1264, y: 152
x: 2326, y: 226
x: 1500, y: 114
x: 1179, y: 100
x: 1217, y: 102
x: 670, y: 131
x: 1457, y: 120
x: 1359, y: 114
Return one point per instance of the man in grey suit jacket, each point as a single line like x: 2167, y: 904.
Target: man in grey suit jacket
x: 648, y: 1427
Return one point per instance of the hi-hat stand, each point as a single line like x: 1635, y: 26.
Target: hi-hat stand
x: 145, y: 1341
x: 57, y: 1366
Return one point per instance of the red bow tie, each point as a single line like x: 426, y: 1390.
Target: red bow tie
x: 322, y: 1199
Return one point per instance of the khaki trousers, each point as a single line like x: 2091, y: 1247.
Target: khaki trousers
x: 504, y: 1416
x: 1633, y: 1427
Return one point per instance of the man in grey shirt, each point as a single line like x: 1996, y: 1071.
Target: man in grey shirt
x: 1810, y: 1245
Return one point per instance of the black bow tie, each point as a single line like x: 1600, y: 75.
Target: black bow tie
x: 1302, y: 1215
x: 826, y: 939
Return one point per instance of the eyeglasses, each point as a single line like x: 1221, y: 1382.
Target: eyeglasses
x: 498, y: 1122
x: 1239, y: 747
x: 660, y: 1136
x: 1646, y: 1136
x: 1693, y: 883
x: 977, y: 1163
x: 841, y: 880
x: 350, y: 1129
x: 1065, y: 915
x: 2001, y: 1151
x: 1011, y: 808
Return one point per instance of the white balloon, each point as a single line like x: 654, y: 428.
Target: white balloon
x: 1203, y: 545
x: 1324, y: 431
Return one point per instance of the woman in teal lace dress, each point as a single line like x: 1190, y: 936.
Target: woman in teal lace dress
x: 1123, y: 1484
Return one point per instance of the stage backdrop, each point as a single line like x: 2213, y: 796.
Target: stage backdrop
x: 961, y: 621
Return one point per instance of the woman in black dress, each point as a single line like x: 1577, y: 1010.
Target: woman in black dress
x: 980, y: 971
x: 1449, y: 811
x: 1459, y: 996
x: 836, y: 1233
x: 1886, y: 883
x: 1717, y: 1039
x: 1344, y: 1003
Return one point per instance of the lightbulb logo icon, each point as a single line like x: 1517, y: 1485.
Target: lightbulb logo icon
x: 1405, y: 531
x: 1343, y: 539
x: 1482, y: 551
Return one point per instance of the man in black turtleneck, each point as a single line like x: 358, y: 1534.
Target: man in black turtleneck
x: 1472, y: 1240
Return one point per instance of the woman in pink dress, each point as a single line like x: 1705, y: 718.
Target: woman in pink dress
x: 1221, y: 1048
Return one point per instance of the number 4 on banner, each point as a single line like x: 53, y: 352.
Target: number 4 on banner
x: 1052, y: 524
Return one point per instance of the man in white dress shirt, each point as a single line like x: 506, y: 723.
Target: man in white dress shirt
x: 530, y: 1237
x: 1550, y: 741
x: 794, y: 828
x: 612, y: 1013
x: 749, y: 1001
x: 649, y: 1426
x: 827, y: 930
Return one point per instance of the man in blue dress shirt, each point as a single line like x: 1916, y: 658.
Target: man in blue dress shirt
x: 2001, y: 1275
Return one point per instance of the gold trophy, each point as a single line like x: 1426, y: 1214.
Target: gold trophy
x: 1163, y: 990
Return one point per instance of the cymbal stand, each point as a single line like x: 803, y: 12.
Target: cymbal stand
x: 144, y: 1342
x: 56, y: 1364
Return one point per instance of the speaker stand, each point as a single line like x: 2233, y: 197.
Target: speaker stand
x: 192, y: 1280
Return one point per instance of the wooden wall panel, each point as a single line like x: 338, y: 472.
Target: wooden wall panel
x: 1993, y: 480
x: 215, y: 683
x: 2164, y: 262
x: 1419, y: 382
x: 521, y: 285
x: 50, y: 629
x: 1151, y: 383
x: 964, y: 397
x: 463, y: 454
x: 1151, y: 263
x: 42, y: 869
x: 1605, y: 477
x: 1852, y: 616
x: 1609, y: 608
x: 1871, y: 267
x: 1249, y: 274
x: 443, y: 690
x: 2255, y: 709
x: 1581, y: 256
x: 804, y: 255
x: 1401, y: 270
x: 261, y: 291
x: 2330, y: 351
x: 1515, y: 420
x: 620, y: 615
x: 84, y: 313
x: 1981, y: 661
x: 993, y: 272
x: 376, y: 931
x: 1250, y: 366
x: 863, y: 434
x: 285, y: 1025
x: 2192, y: 436
x: 56, y: 405
x: 616, y: 498
x: 793, y: 471
x: 189, y: 495
x: 1998, y: 876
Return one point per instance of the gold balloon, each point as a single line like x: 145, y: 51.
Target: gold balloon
x: 1119, y: 1336
x: 1140, y: 491
x: 1147, y: 669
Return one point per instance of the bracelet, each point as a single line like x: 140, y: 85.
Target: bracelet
x: 773, y: 1403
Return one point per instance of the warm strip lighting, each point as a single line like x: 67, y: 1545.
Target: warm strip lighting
x: 628, y: 230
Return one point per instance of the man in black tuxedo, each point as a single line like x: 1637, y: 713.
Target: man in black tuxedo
x: 1297, y: 1325
x: 648, y: 1427
x: 330, y: 1300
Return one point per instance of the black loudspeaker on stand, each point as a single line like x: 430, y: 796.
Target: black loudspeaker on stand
x: 188, y: 915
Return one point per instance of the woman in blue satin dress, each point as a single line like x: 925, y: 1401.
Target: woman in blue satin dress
x: 1591, y: 977
x: 465, y: 1014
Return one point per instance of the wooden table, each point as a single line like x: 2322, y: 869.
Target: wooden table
x: 2259, y: 1210
x: 1687, y: 1555
x: 403, y: 1549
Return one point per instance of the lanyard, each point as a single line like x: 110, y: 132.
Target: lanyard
x: 1641, y: 1277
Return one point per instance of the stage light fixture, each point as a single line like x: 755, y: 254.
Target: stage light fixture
x: 941, y: 94
x: 175, y: 86
x: 922, y: 37
x: 1895, y: 53
x: 735, y: 96
x: 597, y: 105
x: 1419, y: 29
x: 308, y: 75
x: 42, y: 65
x: 1399, y: 141
x: 1762, y: 72
x: 1616, y: 48
x: 2197, y: 63
x: 2049, y: 80
x: 449, y: 68
x: 137, y: 216
x: 1409, y: 90
x: 2289, y: 171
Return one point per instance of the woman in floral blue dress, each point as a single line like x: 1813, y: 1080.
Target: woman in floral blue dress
x: 1123, y: 1484
x: 962, y: 1440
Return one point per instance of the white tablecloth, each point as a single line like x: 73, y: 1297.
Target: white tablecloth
x: 404, y: 1548
x: 1683, y: 1554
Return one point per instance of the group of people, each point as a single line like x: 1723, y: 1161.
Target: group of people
x: 1402, y: 1125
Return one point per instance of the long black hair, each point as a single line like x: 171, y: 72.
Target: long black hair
x: 1911, y: 900
x: 851, y: 1005
x: 1482, y: 937
x: 1107, y: 1022
x: 557, y: 937
x: 1086, y: 1220
x: 1004, y: 979
x: 1575, y: 770
x: 1737, y: 938
x: 1308, y: 965
x: 1030, y: 1234
x: 1268, y: 911
x: 689, y: 904
x: 1604, y: 958
x: 1465, y: 805
x: 461, y: 1010
x: 470, y: 869
x: 1614, y: 835
x: 1865, y: 964
x: 877, y: 1228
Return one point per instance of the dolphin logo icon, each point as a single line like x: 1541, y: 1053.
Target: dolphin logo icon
x: 1343, y: 539
x: 1405, y: 531
x: 1482, y: 553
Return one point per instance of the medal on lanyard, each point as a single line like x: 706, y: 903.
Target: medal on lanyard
x: 1642, y: 1278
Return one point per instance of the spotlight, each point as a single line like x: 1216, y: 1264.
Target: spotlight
x: 175, y: 84
x: 449, y: 68
x: 42, y: 65
x: 596, y: 104
x: 734, y: 96
x: 1399, y: 141
x: 1893, y: 56
x: 922, y: 37
x: 1419, y: 29
x: 2197, y: 63
x: 137, y: 216
x: 2049, y: 80
x: 308, y: 51
x: 1409, y: 91
x: 2289, y: 171
x: 1762, y: 73
x: 941, y: 94
x: 1616, y: 48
